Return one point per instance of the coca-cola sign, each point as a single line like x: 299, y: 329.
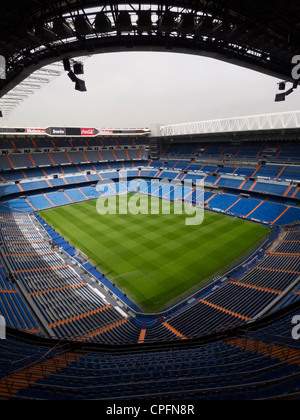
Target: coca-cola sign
x: 88, y: 132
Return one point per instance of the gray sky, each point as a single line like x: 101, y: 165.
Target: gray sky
x: 140, y: 89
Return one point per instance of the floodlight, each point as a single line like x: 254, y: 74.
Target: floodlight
x: 80, y: 85
x: 280, y: 97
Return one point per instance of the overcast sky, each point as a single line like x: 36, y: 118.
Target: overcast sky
x: 141, y: 89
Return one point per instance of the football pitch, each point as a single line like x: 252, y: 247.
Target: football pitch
x: 156, y: 259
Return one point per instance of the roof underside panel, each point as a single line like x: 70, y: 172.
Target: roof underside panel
x: 259, y: 34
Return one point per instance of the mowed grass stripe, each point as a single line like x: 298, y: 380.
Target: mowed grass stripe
x: 156, y: 259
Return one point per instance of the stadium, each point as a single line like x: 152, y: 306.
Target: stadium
x: 141, y: 302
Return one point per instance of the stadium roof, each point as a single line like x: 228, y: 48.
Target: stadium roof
x: 285, y: 120
x: 258, y: 34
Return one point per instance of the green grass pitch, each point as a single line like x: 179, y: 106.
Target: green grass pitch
x: 156, y: 259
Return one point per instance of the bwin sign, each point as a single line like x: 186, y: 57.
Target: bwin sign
x: 2, y: 67
x: 2, y: 328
